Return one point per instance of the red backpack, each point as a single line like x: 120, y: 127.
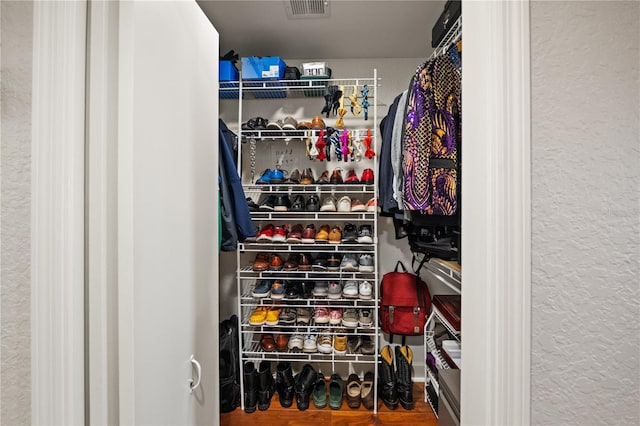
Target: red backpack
x: 405, y: 303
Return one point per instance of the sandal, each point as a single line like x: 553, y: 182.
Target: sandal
x: 320, y: 146
x: 369, y: 153
x: 365, y: 101
x: 341, y: 110
x: 344, y: 138
x: 355, y: 106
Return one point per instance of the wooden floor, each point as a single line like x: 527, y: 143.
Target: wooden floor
x: 276, y: 415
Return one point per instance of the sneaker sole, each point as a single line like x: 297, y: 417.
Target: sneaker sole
x: 366, y: 268
x: 321, y: 321
x: 326, y: 351
x: 344, y: 210
x: 319, y: 294
x: 281, y: 209
x: 350, y: 296
x: 277, y: 296
x: 363, y: 297
x: 271, y: 323
x: 337, y: 352
x: 335, y: 322
x: 293, y: 240
x: 268, y: 239
x: 350, y: 268
x: 350, y: 324
x: 309, y: 350
x: 335, y: 296
x: 365, y: 324
x: 265, y: 209
x: 335, y: 242
x: 260, y: 295
x: 327, y: 209
x: 365, y: 240
x: 372, y: 209
x: 278, y: 239
x: 308, y: 241
x: 359, y: 209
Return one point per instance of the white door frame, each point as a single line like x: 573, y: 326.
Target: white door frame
x: 57, y: 218
x: 496, y: 214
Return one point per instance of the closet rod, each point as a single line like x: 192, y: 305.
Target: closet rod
x: 454, y: 34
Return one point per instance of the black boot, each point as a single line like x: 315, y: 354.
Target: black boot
x: 250, y: 387
x: 404, y: 385
x: 284, y: 384
x: 387, y: 379
x: 265, y: 391
x: 304, y: 386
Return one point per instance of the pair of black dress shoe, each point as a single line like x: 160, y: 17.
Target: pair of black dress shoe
x: 279, y: 203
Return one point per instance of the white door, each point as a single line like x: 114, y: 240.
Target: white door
x: 167, y: 213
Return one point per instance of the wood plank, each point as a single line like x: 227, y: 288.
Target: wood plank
x: 276, y: 415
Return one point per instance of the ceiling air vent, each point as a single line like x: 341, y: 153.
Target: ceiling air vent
x: 305, y: 9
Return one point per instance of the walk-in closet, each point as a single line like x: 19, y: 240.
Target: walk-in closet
x: 301, y: 269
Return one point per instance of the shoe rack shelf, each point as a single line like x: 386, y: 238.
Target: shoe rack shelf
x: 255, y: 352
x: 314, y: 216
x: 279, y: 89
x: 448, y: 273
x: 307, y: 248
x: 247, y: 272
x: 288, y: 135
x: 343, y: 302
x: 262, y: 141
x: 285, y: 188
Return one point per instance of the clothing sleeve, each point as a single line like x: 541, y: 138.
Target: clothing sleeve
x: 397, y: 148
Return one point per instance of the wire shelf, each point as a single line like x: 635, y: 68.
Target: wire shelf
x: 287, y: 188
x: 314, y: 216
x: 315, y: 302
x: 247, y: 272
x: 314, y: 248
x: 253, y: 351
x: 454, y: 34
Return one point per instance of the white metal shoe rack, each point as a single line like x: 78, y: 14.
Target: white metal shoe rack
x: 294, y: 93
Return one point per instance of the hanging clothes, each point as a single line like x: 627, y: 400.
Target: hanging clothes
x: 386, y: 173
x: 234, y: 211
x: 431, y: 138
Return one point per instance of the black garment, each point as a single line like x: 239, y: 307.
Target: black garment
x: 388, y: 204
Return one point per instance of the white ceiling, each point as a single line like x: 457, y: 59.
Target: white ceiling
x: 355, y: 29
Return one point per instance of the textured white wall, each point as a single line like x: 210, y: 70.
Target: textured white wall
x: 585, y: 213
x: 15, y: 212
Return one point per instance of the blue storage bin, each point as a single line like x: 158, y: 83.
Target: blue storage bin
x: 227, y: 71
x: 265, y: 68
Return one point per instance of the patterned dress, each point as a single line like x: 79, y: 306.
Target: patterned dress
x: 431, y: 137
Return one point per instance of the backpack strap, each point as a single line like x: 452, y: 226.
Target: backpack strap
x: 425, y: 259
x: 400, y: 264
